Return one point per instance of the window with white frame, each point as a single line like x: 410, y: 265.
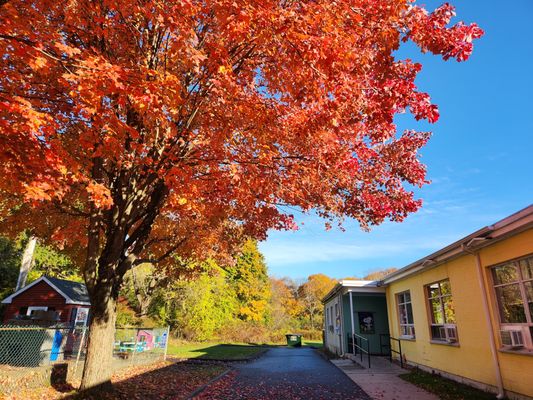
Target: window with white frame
x: 405, y: 314
x: 329, y: 313
x: 32, y: 309
x: 442, y: 311
x: 513, y: 287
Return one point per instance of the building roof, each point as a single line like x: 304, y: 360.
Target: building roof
x: 503, y: 229
x: 73, y: 292
x: 353, y: 286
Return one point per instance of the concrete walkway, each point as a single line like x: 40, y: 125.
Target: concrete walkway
x: 381, y: 381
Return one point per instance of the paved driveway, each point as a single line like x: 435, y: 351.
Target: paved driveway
x: 286, y: 373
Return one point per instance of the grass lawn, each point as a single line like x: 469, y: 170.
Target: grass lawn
x: 446, y: 389
x: 222, y: 351
x: 213, y: 351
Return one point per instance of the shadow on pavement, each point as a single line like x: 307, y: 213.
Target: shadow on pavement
x: 174, y: 381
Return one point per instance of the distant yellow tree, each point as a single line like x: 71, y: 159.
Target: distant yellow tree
x: 284, y: 306
x: 249, y: 277
x: 310, y: 295
x: 378, y: 275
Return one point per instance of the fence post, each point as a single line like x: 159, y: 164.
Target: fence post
x: 79, y: 349
x: 368, y: 352
x: 401, y: 356
x: 391, y: 341
x: 136, y: 344
x: 166, y: 343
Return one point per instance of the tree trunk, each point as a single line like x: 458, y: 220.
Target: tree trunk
x: 141, y: 295
x: 27, y: 261
x: 104, y: 271
x: 97, y: 371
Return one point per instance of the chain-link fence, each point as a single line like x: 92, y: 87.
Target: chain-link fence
x: 31, y: 355
x: 135, y: 346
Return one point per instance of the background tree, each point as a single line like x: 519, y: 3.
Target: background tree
x: 140, y: 286
x: 249, y: 278
x: 311, y: 294
x: 285, y: 309
x: 51, y: 262
x: 10, y: 257
x: 45, y: 261
x: 130, y: 130
x: 197, y: 308
x: 380, y: 274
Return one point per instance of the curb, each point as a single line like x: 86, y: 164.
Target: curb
x: 322, y: 353
x: 199, y: 390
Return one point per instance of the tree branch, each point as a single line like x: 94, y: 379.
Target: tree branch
x: 162, y: 257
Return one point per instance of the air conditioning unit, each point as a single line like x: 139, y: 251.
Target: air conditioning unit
x: 408, y: 332
x: 411, y: 331
x: 512, y: 339
x: 449, y: 333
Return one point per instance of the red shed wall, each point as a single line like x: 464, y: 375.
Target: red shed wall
x: 42, y: 295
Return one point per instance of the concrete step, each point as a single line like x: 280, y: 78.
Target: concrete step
x: 381, y: 381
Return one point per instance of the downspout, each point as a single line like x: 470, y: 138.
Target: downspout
x: 341, y: 316
x: 325, y: 326
x: 488, y: 320
x: 351, y: 320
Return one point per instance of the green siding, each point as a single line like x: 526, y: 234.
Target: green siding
x: 374, y: 303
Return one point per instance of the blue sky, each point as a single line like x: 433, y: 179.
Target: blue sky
x: 479, y: 159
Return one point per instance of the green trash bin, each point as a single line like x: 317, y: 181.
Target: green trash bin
x: 294, y: 340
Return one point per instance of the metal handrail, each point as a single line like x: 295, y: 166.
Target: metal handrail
x: 384, y: 345
x: 367, y: 351
x: 390, y: 347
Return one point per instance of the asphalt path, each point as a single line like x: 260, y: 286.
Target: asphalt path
x: 286, y: 373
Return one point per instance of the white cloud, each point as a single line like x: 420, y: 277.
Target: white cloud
x: 291, y: 253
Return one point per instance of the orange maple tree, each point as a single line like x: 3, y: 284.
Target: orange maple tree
x: 130, y: 130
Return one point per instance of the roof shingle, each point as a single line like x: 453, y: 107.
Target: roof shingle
x: 76, y: 291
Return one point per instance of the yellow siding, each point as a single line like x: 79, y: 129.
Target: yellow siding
x: 516, y: 369
x: 472, y: 358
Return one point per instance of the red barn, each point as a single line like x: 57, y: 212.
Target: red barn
x: 70, y: 300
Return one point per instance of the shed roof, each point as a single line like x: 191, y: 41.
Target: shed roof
x: 76, y: 291
x: 349, y: 285
x: 73, y: 292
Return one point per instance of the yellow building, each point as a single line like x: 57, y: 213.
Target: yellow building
x: 466, y: 311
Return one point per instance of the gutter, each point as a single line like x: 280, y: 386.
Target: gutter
x: 350, y: 285
x: 331, y: 293
x: 342, y: 333
x: 509, y: 226
x: 451, y: 251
